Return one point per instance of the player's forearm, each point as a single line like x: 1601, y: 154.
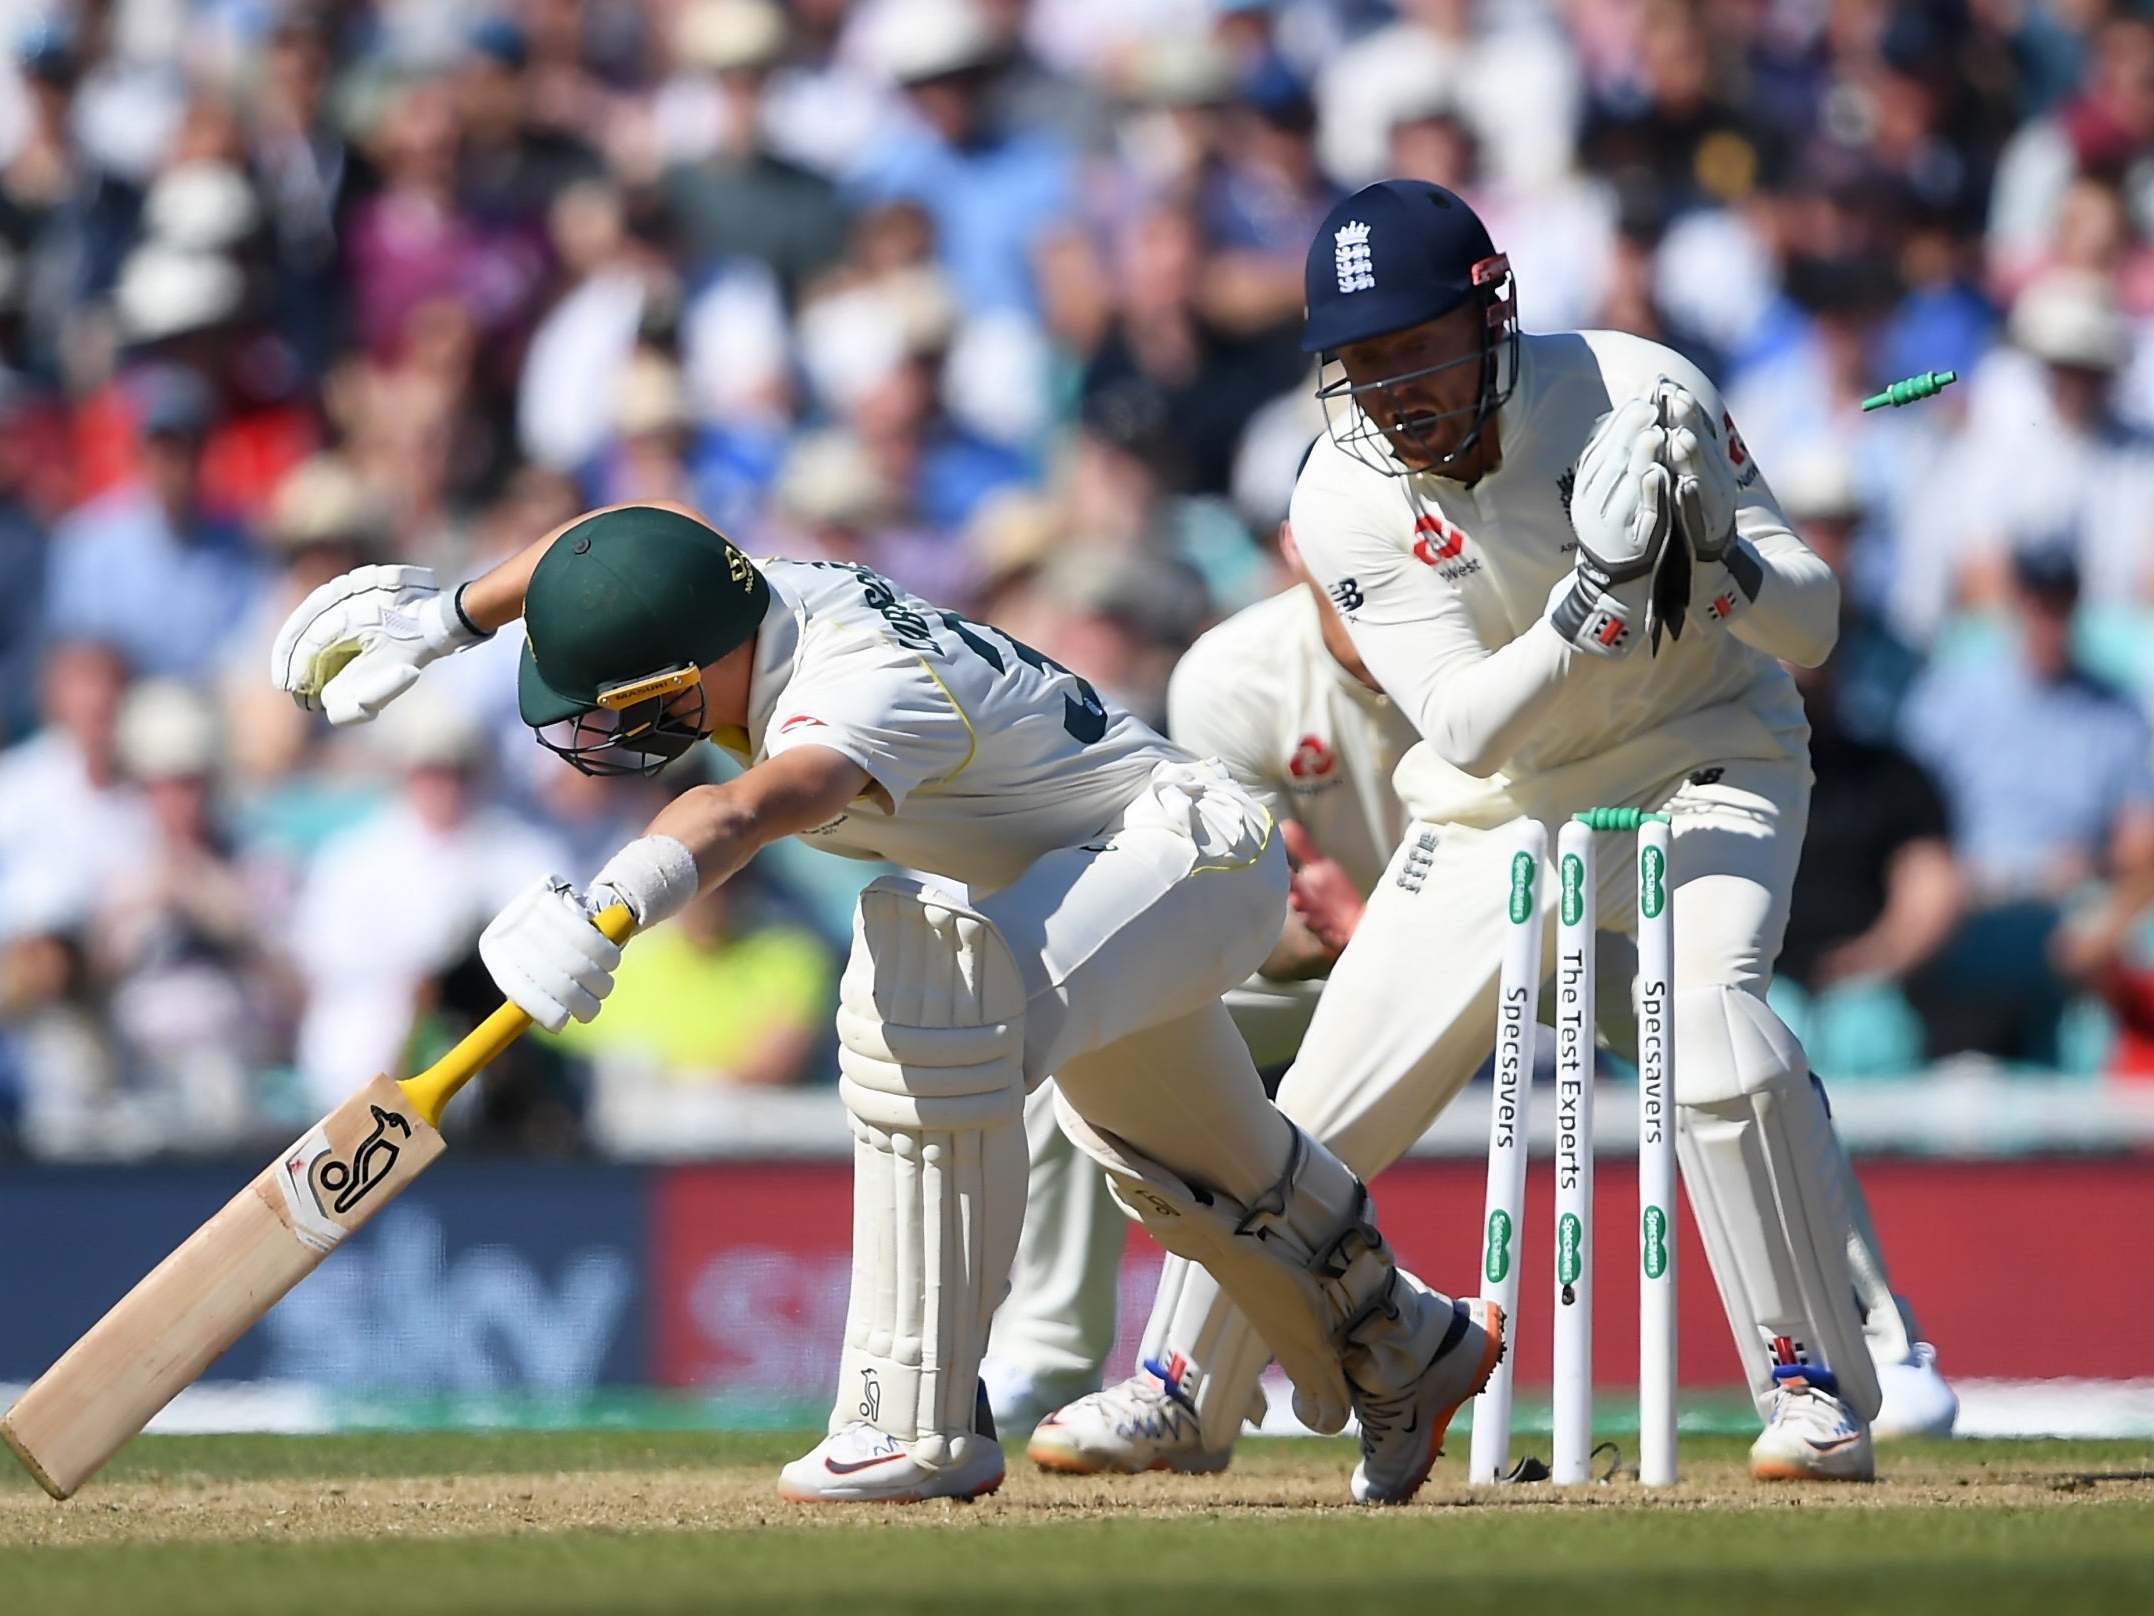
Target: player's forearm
x: 725, y: 825
x: 1299, y: 955
x: 1475, y: 714
x: 1794, y: 609
x: 495, y: 598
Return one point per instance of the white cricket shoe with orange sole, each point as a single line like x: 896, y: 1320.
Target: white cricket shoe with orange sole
x: 1147, y: 1422
x: 1402, y: 1434
x: 1810, y: 1435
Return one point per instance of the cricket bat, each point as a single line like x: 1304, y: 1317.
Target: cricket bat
x: 161, y: 1335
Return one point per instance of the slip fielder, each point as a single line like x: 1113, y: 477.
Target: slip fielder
x: 1092, y: 892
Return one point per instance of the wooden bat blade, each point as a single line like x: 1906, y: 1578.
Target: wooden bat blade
x: 161, y: 1335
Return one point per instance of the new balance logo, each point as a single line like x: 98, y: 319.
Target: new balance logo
x: 1418, y: 859
x: 1346, y: 595
x: 1350, y: 252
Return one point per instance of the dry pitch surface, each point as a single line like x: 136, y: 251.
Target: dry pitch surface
x: 620, y: 1521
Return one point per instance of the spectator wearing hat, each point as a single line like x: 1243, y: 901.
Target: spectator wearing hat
x: 1168, y: 380
x: 515, y: 153
x: 44, y: 226
x: 369, y: 955
x: 993, y: 190
x: 2043, y: 452
x: 325, y: 520
x: 2048, y: 781
x: 148, y: 568
x: 310, y: 173
x: 621, y: 293
x: 2106, y: 128
x: 421, y: 239
x: 179, y: 932
x: 1872, y: 667
x: 732, y: 195
x: 1490, y: 60
x: 1260, y: 204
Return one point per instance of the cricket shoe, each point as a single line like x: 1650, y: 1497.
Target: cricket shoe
x: 1023, y: 1399
x: 1810, y: 1435
x: 1147, y: 1422
x: 1402, y: 1432
x: 863, y: 1464
x: 1918, y: 1401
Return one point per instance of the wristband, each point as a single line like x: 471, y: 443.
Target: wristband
x: 456, y: 604
x: 654, y: 875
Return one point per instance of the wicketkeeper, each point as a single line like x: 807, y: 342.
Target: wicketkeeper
x: 1556, y: 555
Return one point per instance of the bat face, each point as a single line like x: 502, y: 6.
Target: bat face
x: 173, y: 1325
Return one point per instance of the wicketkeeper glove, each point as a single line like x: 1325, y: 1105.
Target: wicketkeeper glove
x: 358, y: 642
x: 1728, y: 573
x: 1620, y: 511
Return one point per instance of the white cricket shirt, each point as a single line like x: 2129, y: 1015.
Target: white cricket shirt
x: 1307, y: 739
x: 986, y: 755
x: 1445, y: 590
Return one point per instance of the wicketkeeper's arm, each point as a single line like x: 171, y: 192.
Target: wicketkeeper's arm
x: 1470, y: 703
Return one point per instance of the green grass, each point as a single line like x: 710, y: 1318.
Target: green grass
x: 1966, y: 1527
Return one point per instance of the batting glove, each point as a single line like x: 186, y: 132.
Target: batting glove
x: 1620, y: 512
x: 358, y: 642
x: 546, y: 956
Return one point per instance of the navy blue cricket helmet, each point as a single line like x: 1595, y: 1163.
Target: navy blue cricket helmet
x: 1392, y: 256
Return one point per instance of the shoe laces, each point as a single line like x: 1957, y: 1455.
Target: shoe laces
x: 1377, y: 1416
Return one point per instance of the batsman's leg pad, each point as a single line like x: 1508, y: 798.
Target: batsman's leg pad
x: 1305, y: 1261
x: 931, y: 1035
x: 1763, y: 1169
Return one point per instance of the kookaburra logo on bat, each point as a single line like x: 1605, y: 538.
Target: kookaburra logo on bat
x: 371, y: 1162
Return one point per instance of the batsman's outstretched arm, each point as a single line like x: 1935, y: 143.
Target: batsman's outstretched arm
x: 362, y: 639
x: 723, y: 825
x: 544, y: 951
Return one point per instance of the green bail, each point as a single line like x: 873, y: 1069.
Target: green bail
x: 1912, y: 390
x: 1618, y: 818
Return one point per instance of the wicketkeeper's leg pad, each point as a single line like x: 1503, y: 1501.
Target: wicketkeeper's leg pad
x: 1763, y: 1171
x: 931, y: 1034
x: 1203, y: 1346
x: 1304, y: 1260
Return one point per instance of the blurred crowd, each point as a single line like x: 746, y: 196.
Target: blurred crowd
x: 999, y: 297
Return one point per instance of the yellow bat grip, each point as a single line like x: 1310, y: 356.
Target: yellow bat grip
x: 431, y: 1090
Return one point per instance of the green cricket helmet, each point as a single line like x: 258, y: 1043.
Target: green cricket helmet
x: 623, y: 612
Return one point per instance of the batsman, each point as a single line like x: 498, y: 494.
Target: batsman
x: 1088, y: 892
x: 1555, y: 555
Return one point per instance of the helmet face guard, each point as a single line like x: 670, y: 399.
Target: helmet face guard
x: 1354, y: 426
x: 638, y: 726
